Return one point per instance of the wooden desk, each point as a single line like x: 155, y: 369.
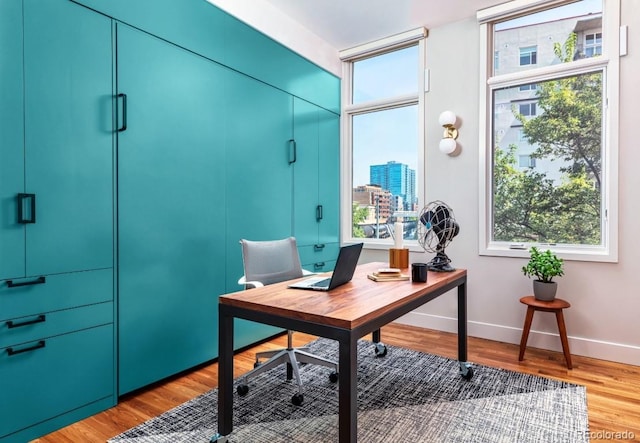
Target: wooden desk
x: 345, y: 314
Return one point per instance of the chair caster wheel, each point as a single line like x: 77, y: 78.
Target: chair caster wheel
x: 380, y: 350
x: 242, y: 390
x: 467, y: 375
x: 297, y: 399
x: 333, y: 377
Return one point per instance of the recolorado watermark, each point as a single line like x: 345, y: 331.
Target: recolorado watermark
x: 609, y: 435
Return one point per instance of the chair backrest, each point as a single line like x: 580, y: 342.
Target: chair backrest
x: 271, y: 261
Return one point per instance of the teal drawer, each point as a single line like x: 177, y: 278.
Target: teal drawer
x: 61, y: 291
x: 313, y: 256
x: 44, y: 325
x: 321, y: 266
x: 56, y: 376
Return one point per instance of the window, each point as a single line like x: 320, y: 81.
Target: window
x: 527, y: 109
x: 526, y: 161
x: 383, y: 136
x: 528, y: 87
x: 593, y: 44
x: 552, y: 182
x: 528, y: 55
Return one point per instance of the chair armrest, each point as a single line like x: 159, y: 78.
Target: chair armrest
x: 253, y: 284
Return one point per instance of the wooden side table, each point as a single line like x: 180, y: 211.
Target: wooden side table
x: 555, y: 306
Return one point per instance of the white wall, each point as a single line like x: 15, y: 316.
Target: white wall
x: 605, y: 313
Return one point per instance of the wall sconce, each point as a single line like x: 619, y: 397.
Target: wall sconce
x: 448, y: 143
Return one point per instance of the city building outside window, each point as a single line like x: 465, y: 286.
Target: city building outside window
x: 549, y: 179
x: 382, y: 138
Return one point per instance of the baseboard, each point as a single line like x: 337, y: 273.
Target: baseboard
x: 538, y: 339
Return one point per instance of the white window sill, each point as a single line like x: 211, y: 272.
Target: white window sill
x: 566, y: 252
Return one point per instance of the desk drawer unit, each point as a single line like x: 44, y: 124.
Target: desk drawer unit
x: 320, y: 257
x: 50, y: 376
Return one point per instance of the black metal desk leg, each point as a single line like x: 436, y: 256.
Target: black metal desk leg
x: 348, y: 390
x: 225, y: 375
x: 462, y: 322
x: 466, y: 371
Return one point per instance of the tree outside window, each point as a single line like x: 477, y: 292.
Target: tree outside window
x: 549, y: 177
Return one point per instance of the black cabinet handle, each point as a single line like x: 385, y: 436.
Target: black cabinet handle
x: 37, y: 281
x: 39, y: 345
x: 318, y: 212
x: 319, y: 265
x: 318, y: 247
x: 292, y: 144
x: 124, y: 112
x: 40, y: 319
x: 31, y: 216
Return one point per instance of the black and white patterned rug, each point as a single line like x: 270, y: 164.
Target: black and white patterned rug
x: 406, y: 396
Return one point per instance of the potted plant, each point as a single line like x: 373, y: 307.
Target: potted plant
x: 543, y: 266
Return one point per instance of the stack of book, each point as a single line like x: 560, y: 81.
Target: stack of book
x: 388, y: 274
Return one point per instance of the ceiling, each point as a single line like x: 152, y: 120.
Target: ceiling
x: 347, y: 23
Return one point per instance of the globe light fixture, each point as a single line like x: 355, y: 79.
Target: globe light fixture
x: 448, y: 143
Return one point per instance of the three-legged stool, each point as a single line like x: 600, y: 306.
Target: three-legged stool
x: 555, y: 306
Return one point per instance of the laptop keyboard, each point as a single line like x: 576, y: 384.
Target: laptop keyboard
x: 322, y: 283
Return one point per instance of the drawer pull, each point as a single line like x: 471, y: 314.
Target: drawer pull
x: 318, y: 265
x: 39, y: 345
x: 37, y: 281
x: 41, y: 318
x: 318, y: 247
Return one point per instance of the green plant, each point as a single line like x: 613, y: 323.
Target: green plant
x: 543, y: 265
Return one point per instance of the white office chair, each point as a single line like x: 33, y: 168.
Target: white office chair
x: 268, y: 262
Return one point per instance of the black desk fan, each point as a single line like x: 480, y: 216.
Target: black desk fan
x: 436, y: 228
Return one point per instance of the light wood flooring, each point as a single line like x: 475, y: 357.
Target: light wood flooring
x: 613, y: 389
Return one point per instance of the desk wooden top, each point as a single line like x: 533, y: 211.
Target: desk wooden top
x: 347, y: 306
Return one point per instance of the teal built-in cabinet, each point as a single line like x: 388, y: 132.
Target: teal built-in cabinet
x: 57, y: 355
x: 140, y: 141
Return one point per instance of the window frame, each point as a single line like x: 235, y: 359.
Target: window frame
x: 608, y: 63
x: 349, y: 110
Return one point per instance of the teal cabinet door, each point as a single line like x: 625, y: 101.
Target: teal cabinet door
x: 307, y: 207
x: 11, y: 140
x: 260, y: 154
x: 171, y: 206
x: 317, y: 179
x: 329, y: 176
x: 68, y: 155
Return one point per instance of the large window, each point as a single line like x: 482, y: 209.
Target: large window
x: 549, y: 178
x: 383, y: 136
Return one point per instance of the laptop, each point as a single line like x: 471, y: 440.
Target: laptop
x: 342, y: 273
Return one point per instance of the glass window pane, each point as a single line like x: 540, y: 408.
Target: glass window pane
x: 560, y: 200
x: 385, y: 76
x: 385, y: 160
x: 540, y: 39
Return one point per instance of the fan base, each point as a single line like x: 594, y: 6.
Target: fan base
x: 444, y: 267
x: 440, y: 263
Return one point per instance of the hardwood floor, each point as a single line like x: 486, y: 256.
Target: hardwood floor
x: 613, y: 389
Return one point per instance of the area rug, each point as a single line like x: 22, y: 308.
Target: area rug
x: 406, y: 396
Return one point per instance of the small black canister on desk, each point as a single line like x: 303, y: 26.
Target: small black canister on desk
x: 419, y: 272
